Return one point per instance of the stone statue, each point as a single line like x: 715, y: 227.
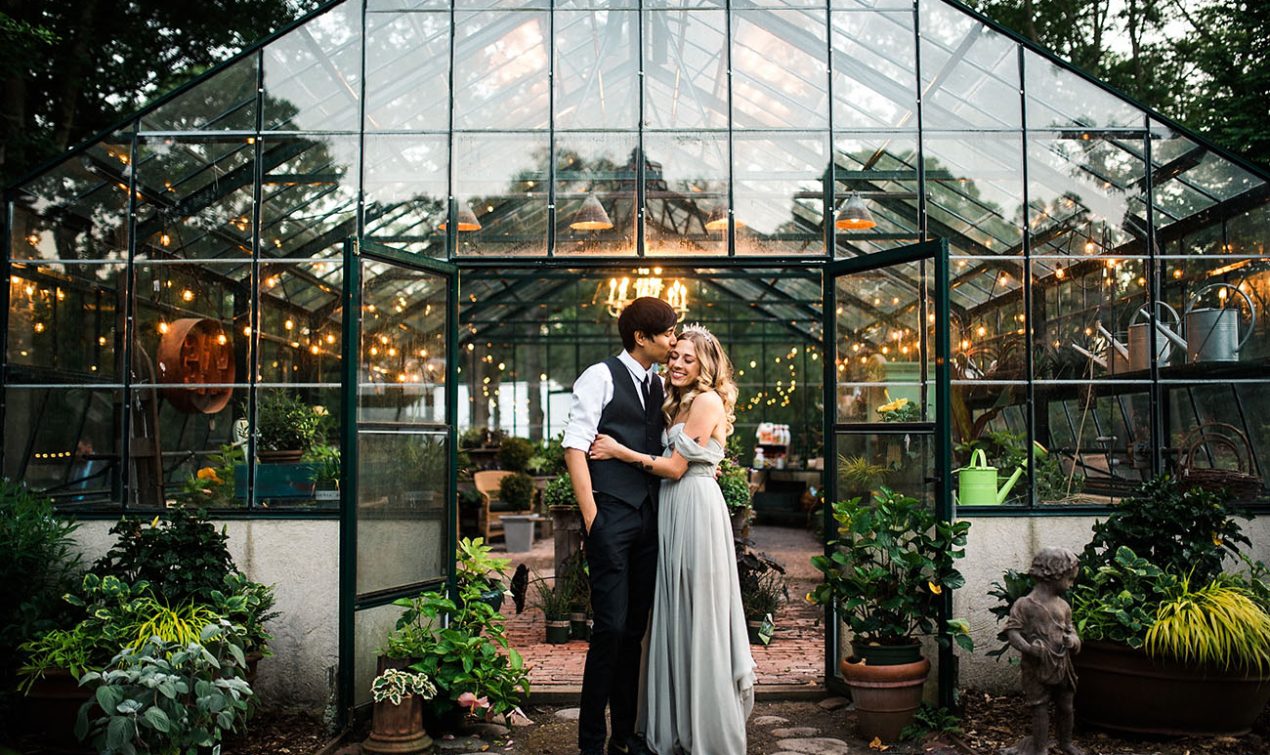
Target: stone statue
x: 1040, y: 628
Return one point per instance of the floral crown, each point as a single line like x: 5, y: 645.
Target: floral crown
x: 699, y: 330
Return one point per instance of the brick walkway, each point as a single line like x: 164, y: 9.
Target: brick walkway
x: 795, y: 656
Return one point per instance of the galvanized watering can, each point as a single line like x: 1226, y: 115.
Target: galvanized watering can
x: 1140, y: 337
x: 977, y: 483
x: 1212, y: 333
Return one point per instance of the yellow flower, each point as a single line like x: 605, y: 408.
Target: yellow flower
x: 876, y: 744
x: 154, y: 522
x: 209, y: 473
x: 895, y: 405
x: 937, y: 589
x: 809, y: 598
x: 1217, y: 540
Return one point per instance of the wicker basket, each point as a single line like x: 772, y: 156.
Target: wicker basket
x: 1242, y: 483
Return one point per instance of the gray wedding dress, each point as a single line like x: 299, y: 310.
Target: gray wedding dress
x: 700, y: 673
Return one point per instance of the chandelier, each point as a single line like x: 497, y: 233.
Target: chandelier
x: 622, y: 291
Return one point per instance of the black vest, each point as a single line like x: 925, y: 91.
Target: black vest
x: 634, y: 426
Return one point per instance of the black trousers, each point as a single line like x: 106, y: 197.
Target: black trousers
x: 621, y: 551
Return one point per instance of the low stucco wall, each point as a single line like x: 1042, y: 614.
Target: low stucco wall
x: 999, y: 543
x: 301, y: 560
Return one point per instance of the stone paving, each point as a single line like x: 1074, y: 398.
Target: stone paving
x: 794, y: 658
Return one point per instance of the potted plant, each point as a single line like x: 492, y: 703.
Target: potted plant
x: 397, y: 716
x: 763, y: 589
x: 477, y: 568
x: 286, y: 427
x: 325, y: 459
x: 892, y: 560
x: 554, y: 601
x: 734, y: 483
x: 566, y: 519
x: 575, y: 580
x: 1172, y: 645
x: 514, y: 454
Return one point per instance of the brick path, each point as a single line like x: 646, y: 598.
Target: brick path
x: 795, y: 656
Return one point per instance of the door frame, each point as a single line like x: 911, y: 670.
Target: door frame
x: 939, y: 423
x: 355, y: 249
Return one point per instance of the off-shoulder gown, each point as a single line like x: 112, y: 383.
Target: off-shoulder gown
x: 700, y: 675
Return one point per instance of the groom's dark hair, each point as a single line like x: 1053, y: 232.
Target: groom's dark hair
x: 647, y: 315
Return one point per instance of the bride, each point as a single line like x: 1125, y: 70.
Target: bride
x: 700, y: 681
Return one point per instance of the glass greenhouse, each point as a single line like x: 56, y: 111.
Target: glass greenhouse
x: 397, y: 220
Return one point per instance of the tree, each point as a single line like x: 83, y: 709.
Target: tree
x: 71, y: 68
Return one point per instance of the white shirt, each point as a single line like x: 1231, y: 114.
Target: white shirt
x: 592, y: 391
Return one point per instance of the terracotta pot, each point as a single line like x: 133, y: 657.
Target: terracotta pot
x: 253, y: 662
x: 740, y: 523
x: 50, y: 709
x: 286, y: 456
x: 398, y: 728
x: 886, y: 697
x: 1125, y: 689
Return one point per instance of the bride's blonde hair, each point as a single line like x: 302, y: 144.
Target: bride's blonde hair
x: 716, y: 375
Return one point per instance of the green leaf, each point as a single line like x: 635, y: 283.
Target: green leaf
x: 158, y: 719
x: 108, y: 698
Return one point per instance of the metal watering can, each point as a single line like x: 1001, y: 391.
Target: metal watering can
x: 1140, y: 340
x: 977, y: 483
x: 1212, y: 333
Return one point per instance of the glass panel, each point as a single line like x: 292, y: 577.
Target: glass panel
x: 76, y: 210
x: 874, y: 70
x: 402, y: 372
x: 988, y: 324
x: 1218, y: 306
x: 502, y: 4
x: 407, y: 71
x: 970, y: 74
x: 1082, y: 314
x: 779, y: 193
x: 1099, y: 434
x: 502, y: 179
x: 879, y: 330
x: 309, y: 197
x: 869, y: 5
x: 597, y: 69
x: 301, y: 310
x: 1247, y: 233
x: 405, y: 189
x: 992, y: 417
x: 64, y: 323
x: 793, y: 94
x: 196, y: 200
x: 377, y: 6
x: 883, y: 171
x: 685, y: 70
x: 500, y: 70
x: 312, y: 75
x: 297, y: 448
x: 595, y: 186
x: 1188, y: 178
x: 686, y: 191
x: 226, y: 101
x: 974, y: 189
x: 371, y: 627
x: 903, y: 462
x: 64, y: 443
x: 1059, y: 98
x: 1212, y: 446
x: 192, y: 321
x: 401, y: 525
x: 610, y: 4
x: 1085, y: 194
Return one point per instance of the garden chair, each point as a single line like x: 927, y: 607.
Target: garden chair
x: 494, y: 510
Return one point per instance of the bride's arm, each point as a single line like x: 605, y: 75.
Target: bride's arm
x: 705, y: 415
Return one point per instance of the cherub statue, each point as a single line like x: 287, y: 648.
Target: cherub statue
x: 1040, y: 628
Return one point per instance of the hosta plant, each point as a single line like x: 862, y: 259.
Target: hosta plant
x: 394, y: 685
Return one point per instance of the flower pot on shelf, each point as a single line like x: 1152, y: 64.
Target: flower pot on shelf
x: 886, y: 697
x: 557, y: 631
x: 1126, y: 690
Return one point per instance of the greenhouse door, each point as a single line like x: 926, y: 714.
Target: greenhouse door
x: 397, y: 523
x: 887, y: 394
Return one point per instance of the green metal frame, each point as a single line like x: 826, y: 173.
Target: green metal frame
x: 355, y: 249
x: 929, y: 252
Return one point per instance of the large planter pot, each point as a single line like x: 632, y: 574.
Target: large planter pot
x: 885, y: 697
x: 50, y: 709
x: 1125, y: 689
x: 566, y: 524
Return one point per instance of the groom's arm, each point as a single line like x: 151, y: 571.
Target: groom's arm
x: 591, y: 391
x: 580, y: 476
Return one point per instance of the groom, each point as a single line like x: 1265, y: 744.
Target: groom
x: 620, y: 397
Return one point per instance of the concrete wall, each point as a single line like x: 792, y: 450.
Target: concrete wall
x: 301, y: 560
x: 1000, y: 543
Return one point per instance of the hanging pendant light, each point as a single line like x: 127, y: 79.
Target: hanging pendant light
x: 855, y: 215
x: 591, y: 216
x: 467, y: 221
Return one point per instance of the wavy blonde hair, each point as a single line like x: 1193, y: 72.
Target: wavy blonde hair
x: 716, y: 375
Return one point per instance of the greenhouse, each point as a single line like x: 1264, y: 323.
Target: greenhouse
x: 311, y: 289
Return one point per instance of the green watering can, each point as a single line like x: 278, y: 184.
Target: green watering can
x: 977, y: 483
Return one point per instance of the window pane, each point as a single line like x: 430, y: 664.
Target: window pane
x: 405, y: 191
x: 779, y: 193
x: 500, y: 70
x: 227, y: 101
x: 1188, y: 178
x: 685, y: 70
x: 301, y: 311
x: 293, y: 468
x: 407, y: 71
x: 597, y: 72
x: 312, y: 75
x: 403, y: 357
x: 974, y: 189
x: 65, y: 443
x: 874, y: 70
x: 1082, y: 312
x: 883, y: 171
x: 309, y: 205
x: 1058, y: 98
x: 970, y: 74
x: 792, y: 94
x: 685, y: 189
x: 502, y: 179
x: 64, y: 323
x: 595, y: 186
x: 204, y: 208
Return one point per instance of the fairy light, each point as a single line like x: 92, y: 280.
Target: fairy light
x: 163, y: 327
x: 187, y: 295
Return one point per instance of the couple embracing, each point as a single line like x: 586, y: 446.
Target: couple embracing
x: 642, y: 450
